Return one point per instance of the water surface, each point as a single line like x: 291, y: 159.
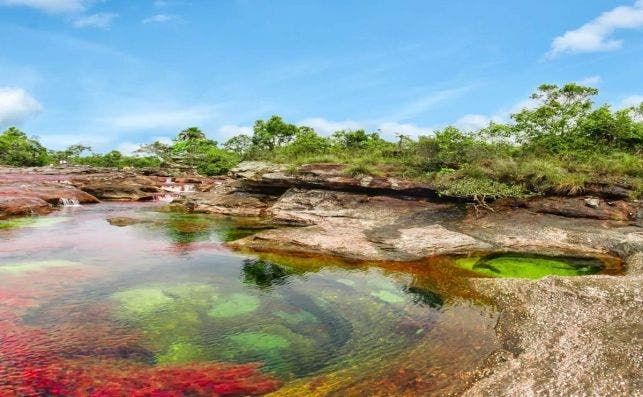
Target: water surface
x: 161, y: 307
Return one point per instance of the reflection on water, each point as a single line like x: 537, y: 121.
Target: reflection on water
x: 162, y: 306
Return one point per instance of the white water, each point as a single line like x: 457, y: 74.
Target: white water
x: 167, y: 198
x: 69, y: 202
x: 174, y: 188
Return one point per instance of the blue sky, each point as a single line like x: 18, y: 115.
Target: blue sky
x: 116, y: 73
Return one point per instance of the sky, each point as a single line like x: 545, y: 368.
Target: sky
x: 113, y: 74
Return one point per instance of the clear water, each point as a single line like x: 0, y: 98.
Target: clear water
x: 161, y: 307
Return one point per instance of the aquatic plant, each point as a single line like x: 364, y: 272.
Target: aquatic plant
x: 142, y: 300
x: 297, y: 317
x: 35, y: 266
x: 32, y: 221
x: 235, y: 305
x: 529, y: 266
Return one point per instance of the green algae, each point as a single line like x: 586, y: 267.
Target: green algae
x: 529, y: 266
x: 388, y: 296
x: 181, y: 352
x: 298, y: 317
x: 167, y: 316
x: 32, y: 222
x: 259, y: 341
x: 142, y: 300
x: 37, y: 266
x: 236, y: 305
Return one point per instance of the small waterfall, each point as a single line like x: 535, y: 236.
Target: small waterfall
x: 168, y: 181
x: 166, y: 198
x: 69, y: 202
x: 189, y: 188
x: 175, y: 188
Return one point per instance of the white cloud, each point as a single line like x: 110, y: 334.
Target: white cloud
x: 49, y: 6
x: 61, y: 141
x: 390, y: 129
x: 160, y: 18
x: 472, y: 122
x: 161, y: 118
x: 591, y: 81
x: 229, y: 130
x: 633, y: 100
x: 327, y: 127
x: 99, y: 20
x: 16, y: 105
x: 596, y: 35
x: 387, y: 129
x: 128, y: 148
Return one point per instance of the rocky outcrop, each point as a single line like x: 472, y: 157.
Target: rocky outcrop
x: 565, y: 336
x: 583, y: 207
x: 227, y: 199
x: 256, y: 175
x: 118, y: 186
x: 38, y: 198
x: 359, y: 226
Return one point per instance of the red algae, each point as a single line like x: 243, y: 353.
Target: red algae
x: 33, y: 362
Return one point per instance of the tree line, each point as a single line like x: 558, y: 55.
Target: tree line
x: 560, y: 144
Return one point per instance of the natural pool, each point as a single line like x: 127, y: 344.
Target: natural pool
x: 159, y: 306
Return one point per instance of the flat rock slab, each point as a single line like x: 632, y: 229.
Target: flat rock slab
x: 573, y: 336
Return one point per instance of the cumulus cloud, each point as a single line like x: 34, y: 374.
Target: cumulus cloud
x: 49, y: 6
x: 160, y: 18
x: 99, y: 20
x: 16, y: 105
x: 596, y: 35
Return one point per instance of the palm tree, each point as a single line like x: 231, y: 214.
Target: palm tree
x: 190, y: 134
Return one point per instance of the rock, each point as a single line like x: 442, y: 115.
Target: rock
x: 569, y: 336
x: 227, y: 200
x: 256, y: 175
x: 358, y: 226
x: 578, y: 207
x: 124, y: 221
x: 37, y: 197
x: 593, y: 202
x: 118, y: 186
x: 17, y: 206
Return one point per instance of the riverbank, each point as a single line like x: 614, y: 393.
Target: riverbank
x: 561, y: 335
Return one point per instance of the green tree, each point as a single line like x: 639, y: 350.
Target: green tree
x: 273, y: 133
x: 553, y: 124
x: 190, y: 134
x: 19, y: 150
x: 240, y: 144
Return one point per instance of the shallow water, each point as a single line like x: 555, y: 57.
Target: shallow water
x: 162, y: 307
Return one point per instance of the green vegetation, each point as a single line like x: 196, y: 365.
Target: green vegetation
x: 559, y: 145
x: 529, y: 266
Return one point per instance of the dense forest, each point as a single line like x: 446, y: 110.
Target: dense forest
x: 559, y: 145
